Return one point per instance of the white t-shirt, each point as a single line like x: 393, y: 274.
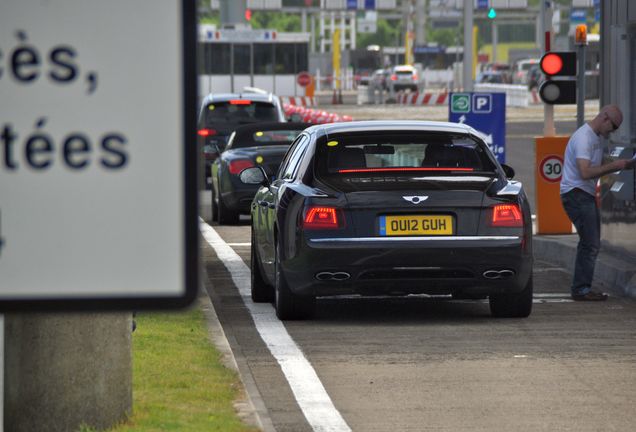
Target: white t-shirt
x: 583, y: 144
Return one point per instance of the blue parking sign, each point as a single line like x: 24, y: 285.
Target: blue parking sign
x: 485, y: 112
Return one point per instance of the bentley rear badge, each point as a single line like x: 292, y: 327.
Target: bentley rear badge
x: 415, y: 199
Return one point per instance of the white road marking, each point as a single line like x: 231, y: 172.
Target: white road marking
x: 239, y: 244
x: 319, y: 410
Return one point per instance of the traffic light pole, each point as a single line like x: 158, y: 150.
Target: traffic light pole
x: 548, y: 109
x: 580, y: 85
x: 468, y: 46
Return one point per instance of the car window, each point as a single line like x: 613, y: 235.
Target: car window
x: 241, y: 111
x: 266, y: 138
x: 400, y: 158
x: 292, y: 158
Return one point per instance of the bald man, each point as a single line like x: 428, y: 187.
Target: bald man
x: 582, y: 167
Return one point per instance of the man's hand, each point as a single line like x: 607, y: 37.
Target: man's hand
x: 622, y: 164
x: 589, y: 172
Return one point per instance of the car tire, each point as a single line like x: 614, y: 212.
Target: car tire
x: 290, y: 306
x: 514, y: 305
x: 226, y: 215
x: 215, y: 207
x: 261, y: 291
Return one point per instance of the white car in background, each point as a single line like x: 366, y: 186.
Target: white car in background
x: 405, y: 77
x: 521, y: 69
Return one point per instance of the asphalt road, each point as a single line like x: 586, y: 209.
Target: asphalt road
x: 419, y: 364
x: 415, y: 364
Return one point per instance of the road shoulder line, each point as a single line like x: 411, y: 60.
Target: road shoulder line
x: 310, y: 394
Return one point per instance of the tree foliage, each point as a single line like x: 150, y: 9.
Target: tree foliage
x: 387, y: 34
x: 278, y: 21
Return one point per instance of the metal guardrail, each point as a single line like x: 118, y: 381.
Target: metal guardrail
x: 516, y: 95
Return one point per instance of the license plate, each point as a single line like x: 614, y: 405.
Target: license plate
x: 416, y: 225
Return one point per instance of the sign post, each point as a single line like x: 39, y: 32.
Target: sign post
x: 485, y: 112
x: 98, y: 197
x: 551, y: 218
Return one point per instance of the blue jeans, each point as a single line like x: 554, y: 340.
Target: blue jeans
x: 582, y: 210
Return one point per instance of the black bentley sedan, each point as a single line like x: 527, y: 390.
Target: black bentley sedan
x: 262, y: 144
x: 390, y: 208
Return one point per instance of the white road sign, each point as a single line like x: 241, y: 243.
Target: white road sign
x: 97, y: 154
x: 551, y: 168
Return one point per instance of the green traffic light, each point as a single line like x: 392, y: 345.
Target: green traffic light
x: 492, y: 13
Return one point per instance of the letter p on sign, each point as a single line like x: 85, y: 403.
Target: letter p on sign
x: 482, y: 103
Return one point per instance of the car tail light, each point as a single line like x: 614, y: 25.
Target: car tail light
x: 236, y: 166
x: 414, y: 77
x: 206, y: 132
x: 507, y: 215
x: 394, y: 77
x: 320, y: 217
x: 240, y: 102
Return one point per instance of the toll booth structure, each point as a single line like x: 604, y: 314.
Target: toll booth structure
x: 618, y: 86
x: 230, y: 60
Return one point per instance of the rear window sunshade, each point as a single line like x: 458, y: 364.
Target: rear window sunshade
x: 266, y: 138
x: 399, y: 158
x: 239, y: 113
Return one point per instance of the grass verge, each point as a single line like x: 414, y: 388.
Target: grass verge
x: 179, y: 382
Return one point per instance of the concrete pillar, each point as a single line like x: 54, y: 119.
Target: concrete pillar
x: 420, y: 28
x: 65, y: 370
x: 495, y: 40
x: 468, y: 46
x: 233, y: 11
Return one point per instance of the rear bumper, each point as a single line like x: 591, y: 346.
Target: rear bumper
x: 239, y: 199
x: 405, y: 86
x: 405, y: 265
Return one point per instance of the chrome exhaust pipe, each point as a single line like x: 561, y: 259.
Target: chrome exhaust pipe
x: 324, y: 276
x: 498, y: 274
x: 491, y: 274
x: 506, y: 274
x: 332, y: 276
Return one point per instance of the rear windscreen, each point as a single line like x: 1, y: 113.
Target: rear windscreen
x: 240, y: 112
x: 359, y: 158
x: 266, y: 138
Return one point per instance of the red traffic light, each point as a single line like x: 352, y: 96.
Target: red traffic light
x: 248, y: 14
x: 559, y: 63
x: 551, y: 64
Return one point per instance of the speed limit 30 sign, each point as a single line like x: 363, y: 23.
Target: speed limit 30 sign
x: 551, y: 168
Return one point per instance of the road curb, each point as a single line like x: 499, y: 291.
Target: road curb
x: 617, y: 275
x: 252, y: 410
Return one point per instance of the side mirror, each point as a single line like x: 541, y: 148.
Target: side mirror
x: 254, y: 176
x: 510, y: 173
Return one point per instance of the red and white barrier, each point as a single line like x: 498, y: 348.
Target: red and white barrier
x: 311, y: 115
x: 422, y: 98
x: 304, y: 101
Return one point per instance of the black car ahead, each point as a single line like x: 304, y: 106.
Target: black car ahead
x: 263, y: 145
x: 221, y: 114
x: 390, y: 208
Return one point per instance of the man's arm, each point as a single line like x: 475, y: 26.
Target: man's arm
x: 589, y: 172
